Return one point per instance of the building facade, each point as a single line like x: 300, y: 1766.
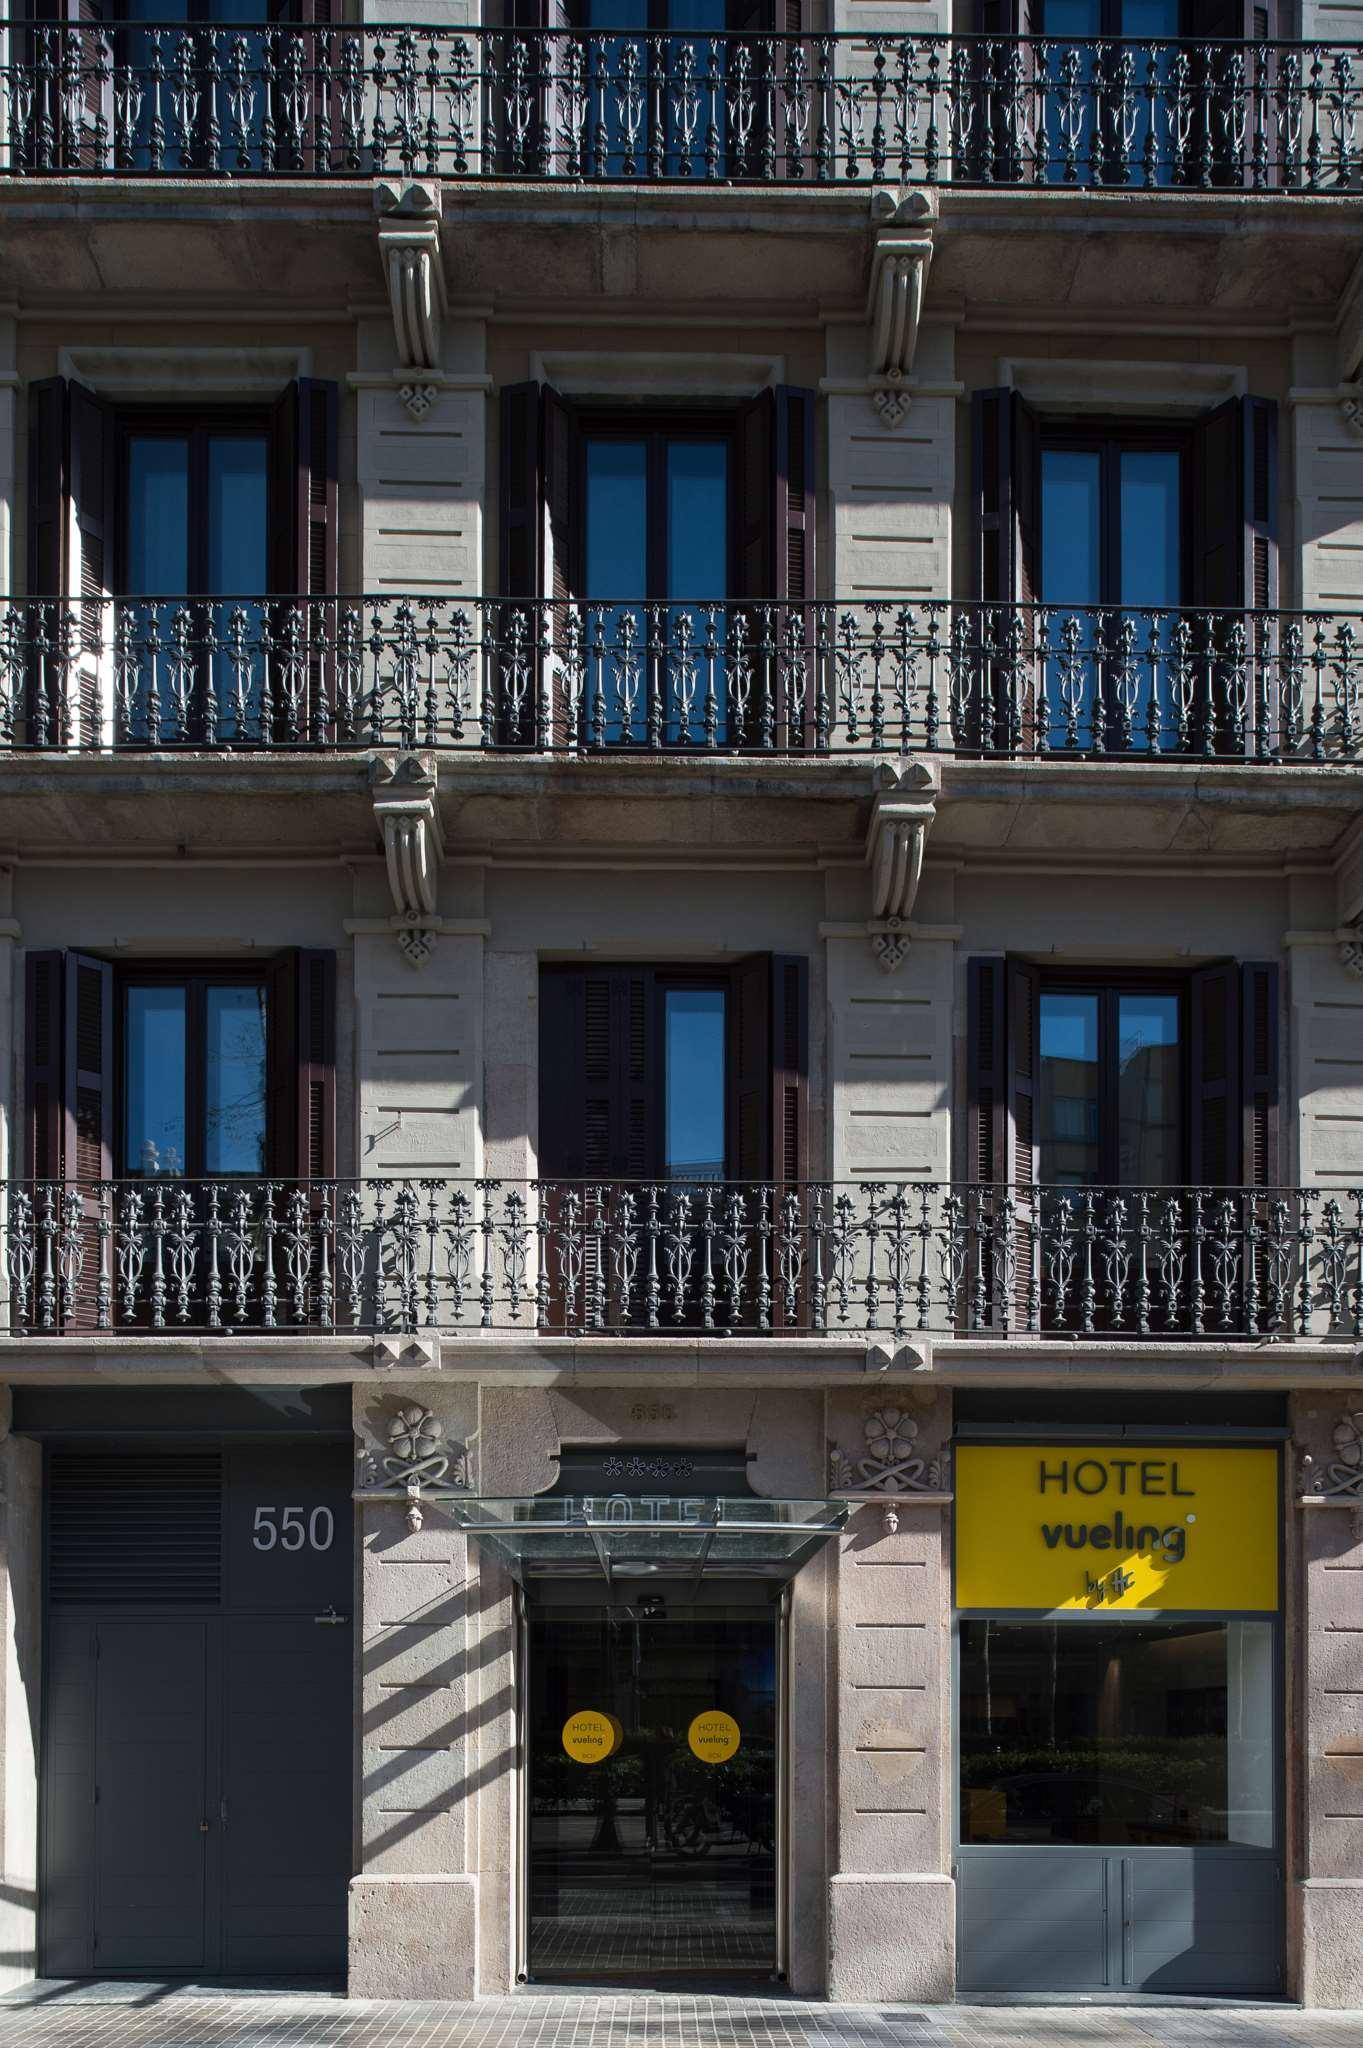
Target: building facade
x: 681, y: 996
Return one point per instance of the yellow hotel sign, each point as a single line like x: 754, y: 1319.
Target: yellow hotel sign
x: 1092, y: 1528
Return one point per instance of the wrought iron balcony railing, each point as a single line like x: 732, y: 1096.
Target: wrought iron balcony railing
x: 293, y: 100
x: 697, y: 1258
x: 871, y: 677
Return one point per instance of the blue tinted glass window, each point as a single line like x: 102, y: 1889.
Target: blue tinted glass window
x: 617, y: 519
x: 237, y: 514
x: 1149, y: 1090
x: 1151, y: 20
x: 155, y: 1081
x: 694, y: 1065
x: 1073, y: 17
x: 1068, y: 1110
x: 1151, y: 488
x: 158, y: 515
x: 1070, y: 502
x: 697, y: 520
x: 234, y: 1085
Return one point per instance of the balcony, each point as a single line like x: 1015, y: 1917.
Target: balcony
x: 504, y: 677
x: 579, y: 1259
x: 248, y: 102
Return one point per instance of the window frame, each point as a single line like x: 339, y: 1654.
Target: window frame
x: 195, y: 978
x: 196, y: 427
x: 1110, y: 19
x: 667, y: 980
x: 656, y: 427
x: 1110, y: 438
x: 1109, y: 985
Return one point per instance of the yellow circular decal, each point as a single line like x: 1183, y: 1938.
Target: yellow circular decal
x: 589, y: 1737
x: 714, y: 1737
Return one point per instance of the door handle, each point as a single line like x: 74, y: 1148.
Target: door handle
x: 329, y: 1618
x: 203, y: 1827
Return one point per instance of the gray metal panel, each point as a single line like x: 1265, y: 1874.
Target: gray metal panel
x: 68, y: 1915
x: 152, y: 1795
x: 1034, y: 1919
x: 286, y: 1838
x: 1203, y: 1921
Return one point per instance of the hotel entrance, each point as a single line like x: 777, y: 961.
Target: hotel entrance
x: 653, y: 1784
x: 1119, y: 1719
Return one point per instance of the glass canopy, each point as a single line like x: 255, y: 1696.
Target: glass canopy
x: 695, y: 1537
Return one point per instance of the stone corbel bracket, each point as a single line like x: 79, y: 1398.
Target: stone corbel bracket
x: 407, y: 813
x: 1351, y: 950
x: 896, y: 838
x: 414, y: 271
x: 1336, y: 1483
x: 901, y: 252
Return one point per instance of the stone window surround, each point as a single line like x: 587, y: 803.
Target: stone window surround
x: 697, y: 377
x: 132, y: 374
x: 1078, y: 385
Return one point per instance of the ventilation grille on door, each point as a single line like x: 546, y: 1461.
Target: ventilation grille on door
x: 134, y: 1526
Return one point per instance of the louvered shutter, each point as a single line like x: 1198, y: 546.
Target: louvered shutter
x: 48, y: 456
x: 775, y: 523
x: 751, y: 1096
x: 790, y: 1069
x: 44, y: 1060
x: 987, y: 1147
x: 1259, y: 1070
x: 88, y: 1068
x: 1215, y: 1059
x: 134, y: 1525
x: 521, y: 494
x: 1006, y: 570
x: 562, y: 445
x: 1235, y: 529
x: 1254, y: 21
x: 1024, y: 1088
x: 756, y: 496
x: 301, y: 1064
x: 92, y: 574
x: 305, y: 430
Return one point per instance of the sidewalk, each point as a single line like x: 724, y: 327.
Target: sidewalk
x: 56, y: 2015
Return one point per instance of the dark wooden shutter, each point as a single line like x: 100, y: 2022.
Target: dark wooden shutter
x: 986, y: 1057
x: 1215, y: 1053
x: 44, y: 1063
x: 47, y: 460
x: 92, y: 574
x: 790, y: 1068
x: 1259, y: 1147
x: 792, y: 540
x: 305, y: 431
x: 756, y: 497
x: 521, y: 492
x: 599, y: 1083
x: 87, y: 1072
x: 751, y: 1094
x: 1006, y: 498
x: 1235, y: 528
x: 1024, y: 1084
x: 316, y: 1064
x: 1255, y: 21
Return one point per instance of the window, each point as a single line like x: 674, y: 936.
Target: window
x: 1111, y: 1100
x: 195, y: 516
x: 680, y: 538
x: 194, y: 1076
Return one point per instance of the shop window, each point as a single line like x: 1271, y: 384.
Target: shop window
x: 1130, y: 1734
x: 668, y: 550
x: 204, y: 1072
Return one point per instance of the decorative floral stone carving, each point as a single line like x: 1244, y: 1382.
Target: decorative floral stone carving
x: 1343, y: 1479
x: 892, y: 1463
x: 418, y: 1457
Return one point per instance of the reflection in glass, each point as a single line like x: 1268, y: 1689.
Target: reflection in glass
x: 1068, y: 1112
x: 237, y: 530
x: 234, y: 1088
x: 616, y: 573
x: 652, y: 1860
x: 1121, y: 1734
x: 698, y: 574
x: 694, y: 1065
x: 158, y: 515
x: 1149, y: 1091
x: 155, y: 1075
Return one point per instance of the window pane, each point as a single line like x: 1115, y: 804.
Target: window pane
x: 617, y: 520
x: 1150, y: 490
x: 1067, y: 1121
x: 1149, y: 1091
x: 1070, y: 499
x: 158, y: 516
x: 1117, y: 1735
x: 697, y: 520
x: 694, y: 1053
x: 1073, y: 18
x: 697, y: 17
x: 237, y: 515
x: 234, y: 1087
x: 1152, y: 20
x: 154, y: 1082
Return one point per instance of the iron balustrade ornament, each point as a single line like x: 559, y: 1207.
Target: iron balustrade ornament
x: 584, y: 1258
x: 367, y: 101
x: 420, y: 1463
x: 871, y: 677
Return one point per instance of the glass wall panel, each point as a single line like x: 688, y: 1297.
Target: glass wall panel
x: 1128, y: 1734
x: 155, y: 1074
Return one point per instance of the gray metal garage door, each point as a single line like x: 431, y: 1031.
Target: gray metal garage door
x: 198, y: 1709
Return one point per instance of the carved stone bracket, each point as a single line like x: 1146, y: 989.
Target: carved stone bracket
x: 1351, y: 951
x: 407, y: 813
x: 420, y: 1465
x: 901, y: 813
x: 891, y: 1463
x: 414, y: 271
x: 1341, y: 1481
x: 407, y: 1354
x: 901, y: 252
x: 1351, y: 412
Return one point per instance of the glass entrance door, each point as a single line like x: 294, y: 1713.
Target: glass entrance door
x: 652, y: 1787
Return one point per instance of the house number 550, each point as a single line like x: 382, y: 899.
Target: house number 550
x: 291, y: 1532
